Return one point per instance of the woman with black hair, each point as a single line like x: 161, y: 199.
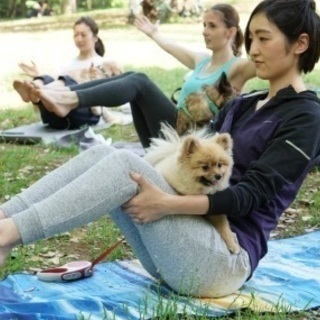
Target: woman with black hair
x: 91, y: 52
x: 276, y: 140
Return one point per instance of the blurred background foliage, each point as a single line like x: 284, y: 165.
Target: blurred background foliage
x: 12, y: 9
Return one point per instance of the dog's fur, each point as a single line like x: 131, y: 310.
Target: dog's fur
x: 219, y: 92
x: 196, y: 163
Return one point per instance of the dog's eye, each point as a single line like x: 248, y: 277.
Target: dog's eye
x: 219, y: 164
x: 205, y: 167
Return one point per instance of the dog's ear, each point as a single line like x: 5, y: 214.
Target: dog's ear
x: 225, y: 141
x: 190, y: 146
x: 224, y: 86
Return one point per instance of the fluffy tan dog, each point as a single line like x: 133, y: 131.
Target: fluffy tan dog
x: 199, y: 107
x: 196, y: 164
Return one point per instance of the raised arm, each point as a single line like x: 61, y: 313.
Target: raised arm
x: 186, y: 56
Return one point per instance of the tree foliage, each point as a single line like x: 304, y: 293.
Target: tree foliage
x: 12, y: 9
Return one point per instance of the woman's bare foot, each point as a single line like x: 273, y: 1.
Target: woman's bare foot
x: 24, y: 88
x: 58, y: 102
x: 9, y: 238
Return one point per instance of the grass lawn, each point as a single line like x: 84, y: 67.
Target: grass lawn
x: 21, y: 165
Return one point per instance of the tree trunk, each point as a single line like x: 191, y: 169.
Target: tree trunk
x: 89, y: 5
x: 69, y: 6
x: 11, y: 10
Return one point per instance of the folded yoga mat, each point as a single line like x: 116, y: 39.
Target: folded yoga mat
x: 38, y: 132
x: 287, y: 279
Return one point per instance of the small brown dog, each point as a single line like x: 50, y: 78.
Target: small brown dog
x: 196, y: 164
x: 200, y: 107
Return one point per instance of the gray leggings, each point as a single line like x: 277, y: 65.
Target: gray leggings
x: 184, y: 251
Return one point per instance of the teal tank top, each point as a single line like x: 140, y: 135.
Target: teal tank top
x: 195, y: 81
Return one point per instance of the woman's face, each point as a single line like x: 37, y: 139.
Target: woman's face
x: 83, y: 37
x: 216, y: 34
x: 270, y: 51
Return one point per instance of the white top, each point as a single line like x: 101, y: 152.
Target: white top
x: 76, y: 64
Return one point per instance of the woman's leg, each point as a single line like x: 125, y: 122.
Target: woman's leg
x: 186, y: 251
x: 54, y: 180
x: 150, y: 106
x: 47, y: 117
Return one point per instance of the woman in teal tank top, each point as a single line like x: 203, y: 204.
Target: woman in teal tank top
x: 195, y: 81
x: 149, y: 105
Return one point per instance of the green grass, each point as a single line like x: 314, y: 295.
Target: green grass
x: 22, y: 165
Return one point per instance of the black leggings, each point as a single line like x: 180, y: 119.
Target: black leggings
x: 149, y: 105
x: 74, y: 120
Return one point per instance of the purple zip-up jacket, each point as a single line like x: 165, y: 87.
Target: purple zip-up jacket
x: 274, y: 148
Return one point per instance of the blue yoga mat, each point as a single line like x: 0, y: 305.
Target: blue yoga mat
x: 287, y: 279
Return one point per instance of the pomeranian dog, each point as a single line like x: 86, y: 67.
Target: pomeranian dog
x: 197, y: 112
x: 196, y: 163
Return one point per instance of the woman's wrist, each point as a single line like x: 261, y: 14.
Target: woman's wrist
x: 187, y: 204
x: 153, y: 34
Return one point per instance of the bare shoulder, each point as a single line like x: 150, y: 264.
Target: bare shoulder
x: 199, y: 56
x: 243, y: 65
x: 241, y: 71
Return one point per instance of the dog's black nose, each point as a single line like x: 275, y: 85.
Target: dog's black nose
x: 218, y: 176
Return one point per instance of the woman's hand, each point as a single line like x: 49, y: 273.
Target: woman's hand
x: 30, y: 70
x: 149, y: 204
x: 144, y: 25
x: 95, y: 72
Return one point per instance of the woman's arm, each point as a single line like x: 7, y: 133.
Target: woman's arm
x: 243, y: 71
x: 186, y: 56
x: 151, y: 203
x: 280, y: 168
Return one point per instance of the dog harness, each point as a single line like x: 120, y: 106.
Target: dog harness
x: 212, y: 105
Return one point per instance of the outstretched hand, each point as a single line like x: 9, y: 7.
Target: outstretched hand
x: 29, y: 69
x: 144, y: 25
x: 149, y: 204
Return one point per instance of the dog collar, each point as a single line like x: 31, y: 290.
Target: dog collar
x: 213, y: 107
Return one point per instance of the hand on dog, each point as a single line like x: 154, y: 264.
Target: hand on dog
x: 148, y: 204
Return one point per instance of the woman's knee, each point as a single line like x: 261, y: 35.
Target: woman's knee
x: 99, y: 151
x: 142, y: 78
